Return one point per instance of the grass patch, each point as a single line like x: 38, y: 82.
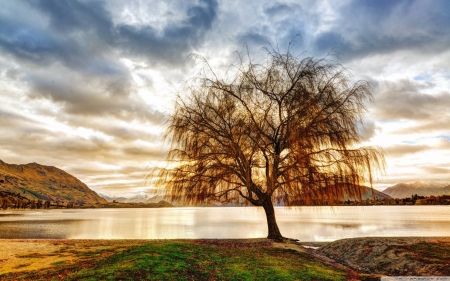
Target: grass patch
x: 58, y: 263
x: 174, y: 260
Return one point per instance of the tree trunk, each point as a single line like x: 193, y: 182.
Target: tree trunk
x: 274, y: 232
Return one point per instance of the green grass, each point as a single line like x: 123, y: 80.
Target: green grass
x: 174, y: 260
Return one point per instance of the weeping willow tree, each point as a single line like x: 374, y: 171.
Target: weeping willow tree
x: 283, y: 130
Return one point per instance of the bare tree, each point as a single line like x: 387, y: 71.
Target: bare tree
x: 283, y: 130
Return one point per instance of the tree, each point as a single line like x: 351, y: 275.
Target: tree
x: 284, y: 130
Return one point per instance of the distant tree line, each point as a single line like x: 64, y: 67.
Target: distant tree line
x: 413, y: 200
x: 115, y: 204
x: 11, y: 200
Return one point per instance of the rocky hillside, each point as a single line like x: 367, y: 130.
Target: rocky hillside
x: 38, y: 182
x: 404, y: 190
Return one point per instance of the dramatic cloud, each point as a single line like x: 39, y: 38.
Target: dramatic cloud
x: 82, y: 34
x: 408, y: 99
x: 85, y: 85
x: 372, y: 27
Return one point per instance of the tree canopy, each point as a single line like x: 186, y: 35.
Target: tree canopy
x: 285, y: 130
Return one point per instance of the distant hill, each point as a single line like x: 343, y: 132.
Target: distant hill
x: 39, y: 182
x: 404, y: 190
x: 367, y: 193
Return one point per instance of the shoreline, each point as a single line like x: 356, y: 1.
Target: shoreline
x: 400, y: 240
x: 405, y: 238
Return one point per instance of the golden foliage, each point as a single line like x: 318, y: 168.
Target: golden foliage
x: 286, y: 130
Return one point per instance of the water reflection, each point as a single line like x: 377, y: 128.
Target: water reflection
x: 41, y: 229
x: 305, y: 223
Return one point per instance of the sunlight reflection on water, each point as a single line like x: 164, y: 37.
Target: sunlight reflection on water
x: 303, y: 223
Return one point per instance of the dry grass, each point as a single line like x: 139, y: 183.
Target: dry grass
x: 28, y: 255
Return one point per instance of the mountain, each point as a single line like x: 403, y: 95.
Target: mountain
x: 132, y: 198
x: 46, y: 183
x: 111, y: 198
x: 404, y: 190
x: 370, y: 193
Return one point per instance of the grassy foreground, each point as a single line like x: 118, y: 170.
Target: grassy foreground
x: 162, y: 260
x: 364, y: 258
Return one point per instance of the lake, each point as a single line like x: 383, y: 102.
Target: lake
x: 303, y: 223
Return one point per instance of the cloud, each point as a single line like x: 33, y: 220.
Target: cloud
x: 406, y: 99
x: 282, y: 9
x: 254, y: 37
x: 72, y: 16
x: 77, y: 94
x: 436, y: 170
x: 36, y: 45
x: 367, y: 130
x: 401, y: 150
x: 8, y: 118
x: 175, y: 41
x: 375, y: 27
x: 107, y: 141
x: 82, y: 35
x: 119, y: 178
x: 439, y: 125
x: 26, y: 43
x: 145, y: 152
x: 70, y: 61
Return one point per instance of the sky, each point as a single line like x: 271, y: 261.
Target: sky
x: 85, y: 85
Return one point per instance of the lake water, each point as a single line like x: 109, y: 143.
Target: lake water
x: 303, y: 223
